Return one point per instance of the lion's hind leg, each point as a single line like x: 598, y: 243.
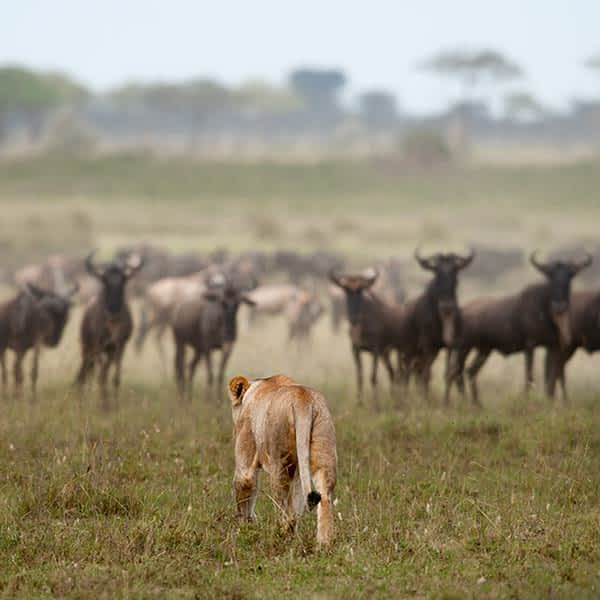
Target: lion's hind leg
x: 245, y: 485
x: 324, y: 482
x: 281, y: 489
x: 296, y: 502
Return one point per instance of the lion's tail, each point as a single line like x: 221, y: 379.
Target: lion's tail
x: 303, y: 422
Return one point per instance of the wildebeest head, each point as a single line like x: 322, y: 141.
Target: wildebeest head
x: 114, y: 277
x: 229, y: 299
x: 559, y: 274
x: 442, y: 289
x: 55, y: 311
x: 354, y: 287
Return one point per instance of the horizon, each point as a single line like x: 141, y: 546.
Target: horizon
x: 554, y: 69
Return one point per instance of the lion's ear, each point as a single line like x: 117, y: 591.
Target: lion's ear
x: 237, y: 388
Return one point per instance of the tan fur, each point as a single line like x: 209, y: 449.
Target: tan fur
x: 285, y: 429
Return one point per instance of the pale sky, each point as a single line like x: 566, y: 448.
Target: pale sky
x: 378, y: 43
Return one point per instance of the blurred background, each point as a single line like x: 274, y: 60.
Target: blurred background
x: 297, y: 137
x: 430, y: 84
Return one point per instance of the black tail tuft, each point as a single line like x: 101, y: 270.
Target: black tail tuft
x: 313, y: 499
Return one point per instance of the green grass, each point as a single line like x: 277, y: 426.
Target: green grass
x: 366, y: 209
x: 138, y: 503
x: 215, y: 186
x: 431, y: 503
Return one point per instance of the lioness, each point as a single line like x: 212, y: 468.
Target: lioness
x: 287, y: 430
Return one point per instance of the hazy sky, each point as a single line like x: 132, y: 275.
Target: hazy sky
x: 378, y: 43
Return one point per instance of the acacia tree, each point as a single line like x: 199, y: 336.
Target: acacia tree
x: 473, y: 67
x: 378, y: 108
x: 319, y: 88
x: 33, y: 95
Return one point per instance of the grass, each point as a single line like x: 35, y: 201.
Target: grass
x: 436, y: 503
x: 215, y: 186
x: 138, y: 503
x: 365, y: 209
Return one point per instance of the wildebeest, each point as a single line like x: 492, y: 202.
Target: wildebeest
x: 57, y: 274
x: 585, y: 333
x: 374, y: 325
x: 536, y: 316
x: 432, y: 320
x: 206, y: 324
x: 389, y: 287
x: 163, y: 297
x: 274, y: 299
x: 34, y: 318
x: 107, y: 323
x: 417, y: 330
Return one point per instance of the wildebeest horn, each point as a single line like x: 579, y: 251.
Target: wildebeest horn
x: 464, y: 261
x: 426, y: 263
x: 90, y: 267
x: 579, y: 265
x: 541, y: 267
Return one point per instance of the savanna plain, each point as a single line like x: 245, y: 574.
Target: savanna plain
x: 431, y: 501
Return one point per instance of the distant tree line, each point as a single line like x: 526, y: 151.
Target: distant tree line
x: 311, y: 97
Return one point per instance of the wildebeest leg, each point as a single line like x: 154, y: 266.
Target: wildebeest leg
x: 403, y: 373
x: 225, y: 354
x: 562, y: 377
x: 118, y: 361
x: 180, y: 370
x: 87, y: 366
x: 450, y: 360
x: 35, y: 365
x: 374, y: 368
x: 18, y: 372
x: 529, y: 354
x: 387, y: 363
x: 460, y: 378
x: 474, y: 368
x: 359, y: 372
x: 551, y: 371
x: 425, y: 377
x: 4, y: 373
x: 105, y: 362
x: 209, y: 370
x: 160, y: 332
x: 455, y: 366
x: 192, y: 372
x: 558, y: 373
